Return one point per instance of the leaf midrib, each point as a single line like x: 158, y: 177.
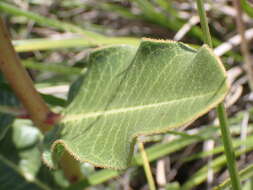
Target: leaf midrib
x: 76, y: 117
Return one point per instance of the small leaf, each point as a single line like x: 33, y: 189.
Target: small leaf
x: 12, y: 178
x: 127, y: 93
x: 20, y: 158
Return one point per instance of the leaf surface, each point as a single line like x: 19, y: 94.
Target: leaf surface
x: 20, y: 158
x: 12, y: 178
x: 127, y: 93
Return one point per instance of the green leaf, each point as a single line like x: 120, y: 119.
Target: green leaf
x: 154, y: 152
x: 20, y: 158
x: 247, y: 7
x: 127, y: 93
x: 12, y: 178
x: 51, y: 67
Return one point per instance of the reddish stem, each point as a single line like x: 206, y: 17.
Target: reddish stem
x: 20, y: 81
x: 36, y: 108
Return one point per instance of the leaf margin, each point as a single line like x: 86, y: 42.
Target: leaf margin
x: 61, y: 142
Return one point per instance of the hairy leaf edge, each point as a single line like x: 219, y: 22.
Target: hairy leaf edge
x: 61, y: 142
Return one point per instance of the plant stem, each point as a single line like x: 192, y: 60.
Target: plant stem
x: 244, y: 44
x: 146, y: 166
x: 204, y: 23
x: 23, y: 87
x: 225, y: 133
x: 228, y: 148
x: 20, y: 81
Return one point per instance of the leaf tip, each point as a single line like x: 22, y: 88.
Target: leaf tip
x: 218, y: 59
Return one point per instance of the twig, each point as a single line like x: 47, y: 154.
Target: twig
x: 244, y: 44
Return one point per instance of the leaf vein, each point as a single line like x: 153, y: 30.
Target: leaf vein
x: 75, y: 117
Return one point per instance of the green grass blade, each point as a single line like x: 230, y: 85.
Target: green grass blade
x: 219, y: 149
x: 201, y: 175
x: 247, y: 7
x: 7, y: 8
x: 51, y: 67
x: 74, y: 42
x: 244, y: 174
